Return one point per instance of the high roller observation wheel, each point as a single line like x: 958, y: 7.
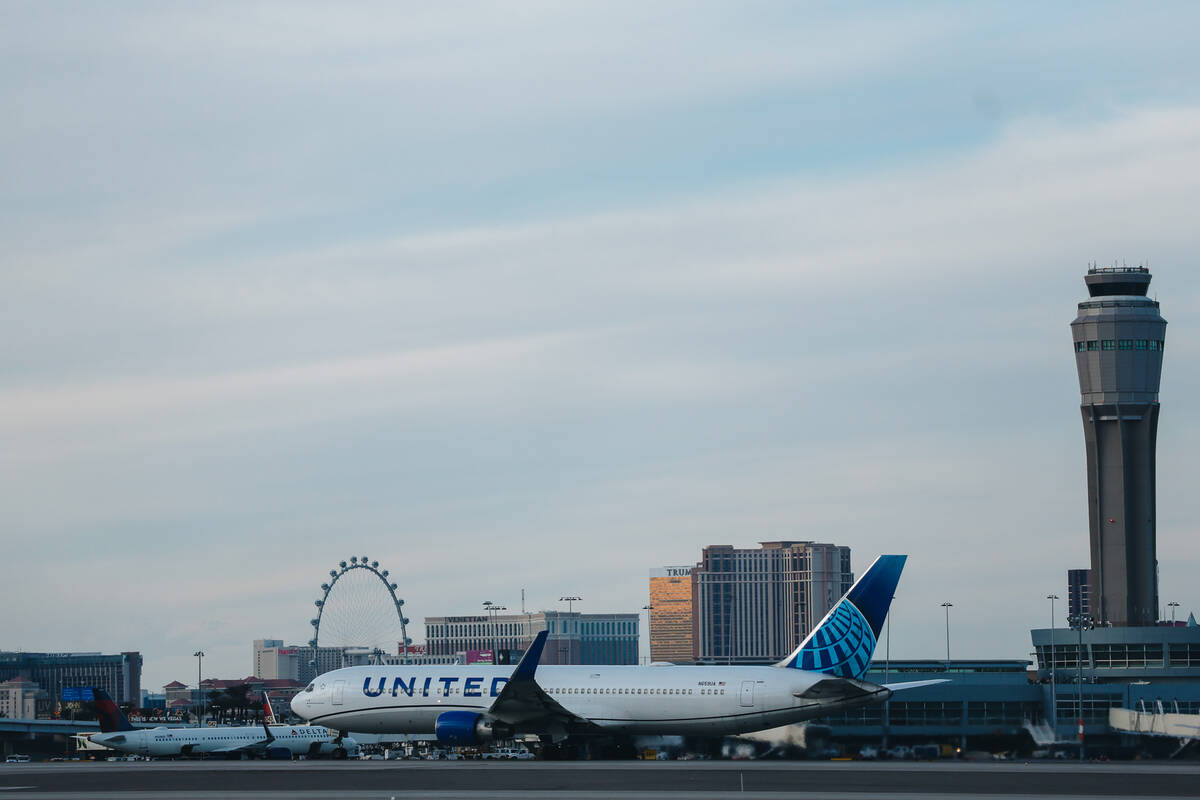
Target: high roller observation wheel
x: 354, y: 568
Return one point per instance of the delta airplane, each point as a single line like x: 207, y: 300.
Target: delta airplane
x: 475, y: 704
x: 267, y: 741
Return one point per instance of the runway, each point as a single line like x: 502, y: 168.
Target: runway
x: 584, y: 780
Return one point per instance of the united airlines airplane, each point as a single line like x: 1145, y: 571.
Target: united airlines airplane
x: 474, y: 704
x: 268, y: 740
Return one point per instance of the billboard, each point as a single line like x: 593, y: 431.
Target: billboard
x: 77, y: 694
x: 480, y: 657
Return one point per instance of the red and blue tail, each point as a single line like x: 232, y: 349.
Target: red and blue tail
x: 111, y: 718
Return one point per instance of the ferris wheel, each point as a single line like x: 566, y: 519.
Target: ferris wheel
x: 360, y: 614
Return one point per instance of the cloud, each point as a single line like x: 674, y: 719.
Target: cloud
x: 245, y: 333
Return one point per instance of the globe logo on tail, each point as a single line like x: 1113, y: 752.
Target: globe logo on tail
x: 842, y: 646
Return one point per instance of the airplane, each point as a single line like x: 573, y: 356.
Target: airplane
x: 268, y: 741
x: 477, y: 704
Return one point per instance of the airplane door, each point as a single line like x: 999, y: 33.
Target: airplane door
x: 338, y: 687
x: 748, y: 694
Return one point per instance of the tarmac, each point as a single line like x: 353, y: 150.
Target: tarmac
x: 585, y: 780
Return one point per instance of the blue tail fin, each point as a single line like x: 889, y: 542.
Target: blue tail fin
x: 111, y: 718
x: 842, y: 644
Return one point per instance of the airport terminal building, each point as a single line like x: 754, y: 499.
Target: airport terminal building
x: 1007, y: 705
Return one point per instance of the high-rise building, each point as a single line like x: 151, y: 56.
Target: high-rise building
x: 19, y: 698
x: 756, y: 606
x: 274, y: 660
x: 1079, y: 606
x: 574, y: 637
x: 119, y: 674
x: 1118, y: 337
x: 672, y: 634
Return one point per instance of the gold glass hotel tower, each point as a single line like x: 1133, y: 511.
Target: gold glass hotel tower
x: 671, y: 617
x: 1118, y: 337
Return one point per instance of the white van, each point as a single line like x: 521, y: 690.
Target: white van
x: 17, y: 759
x: 519, y: 753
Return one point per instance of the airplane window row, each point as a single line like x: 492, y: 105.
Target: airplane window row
x: 1153, y: 345
x: 633, y: 691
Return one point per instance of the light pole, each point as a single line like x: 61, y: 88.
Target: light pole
x: 1083, y: 620
x: 1173, y: 605
x: 570, y: 601
x: 887, y: 665
x: 947, y: 606
x: 492, y: 609
x: 487, y: 608
x: 1053, y: 684
x: 199, y: 654
x: 649, y: 652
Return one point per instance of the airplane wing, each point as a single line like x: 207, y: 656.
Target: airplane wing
x: 261, y: 744
x: 831, y: 691
x: 900, y: 687
x: 835, y: 691
x: 528, y: 708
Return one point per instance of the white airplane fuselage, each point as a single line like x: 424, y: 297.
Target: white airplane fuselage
x: 299, y: 739
x: 658, y: 699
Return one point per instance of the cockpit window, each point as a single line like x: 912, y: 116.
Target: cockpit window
x: 309, y: 688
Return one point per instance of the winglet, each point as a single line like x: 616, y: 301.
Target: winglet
x: 268, y: 715
x: 529, y: 661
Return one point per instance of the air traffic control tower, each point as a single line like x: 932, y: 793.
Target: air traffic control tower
x: 1119, y: 337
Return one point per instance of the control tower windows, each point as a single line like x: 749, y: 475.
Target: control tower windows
x: 1125, y: 344
x: 1155, y: 345
x: 1140, y: 344
x: 1108, y: 344
x: 1093, y: 345
x: 1080, y: 347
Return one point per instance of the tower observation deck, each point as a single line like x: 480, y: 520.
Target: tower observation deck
x: 1119, y: 336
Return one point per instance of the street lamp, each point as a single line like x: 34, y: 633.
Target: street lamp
x: 570, y: 601
x: 649, y: 652
x: 492, y: 609
x: 1173, y: 605
x: 1083, y: 620
x: 947, y: 606
x: 487, y: 607
x: 199, y: 654
x: 1053, y: 684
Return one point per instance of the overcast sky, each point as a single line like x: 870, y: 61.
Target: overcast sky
x: 539, y: 295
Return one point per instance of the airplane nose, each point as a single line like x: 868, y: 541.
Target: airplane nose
x: 298, y: 705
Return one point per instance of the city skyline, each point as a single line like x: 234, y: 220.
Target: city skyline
x: 541, y: 301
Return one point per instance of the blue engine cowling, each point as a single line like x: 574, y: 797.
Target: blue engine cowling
x: 463, y: 728
x: 457, y: 728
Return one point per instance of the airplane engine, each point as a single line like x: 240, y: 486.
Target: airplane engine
x: 461, y: 728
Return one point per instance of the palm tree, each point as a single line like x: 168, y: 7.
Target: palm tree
x: 240, y: 699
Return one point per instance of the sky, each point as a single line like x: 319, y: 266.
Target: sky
x: 545, y: 295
